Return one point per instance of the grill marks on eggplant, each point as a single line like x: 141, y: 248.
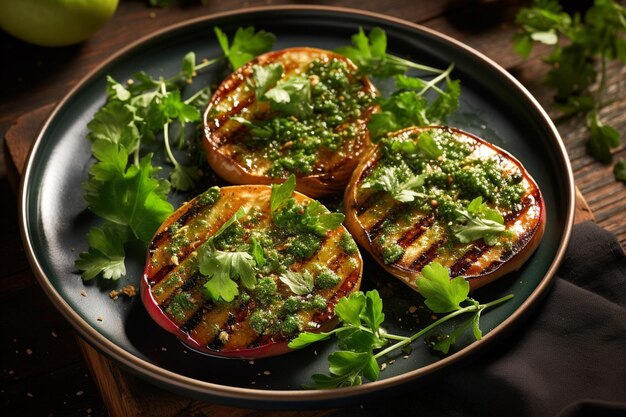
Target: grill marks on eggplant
x: 418, y: 237
x: 236, y: 160
x: 176, y: 286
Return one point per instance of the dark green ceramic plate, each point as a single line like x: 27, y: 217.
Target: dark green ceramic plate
x: 55, y: 221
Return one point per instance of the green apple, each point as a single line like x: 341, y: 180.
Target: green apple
x: 54, y: 22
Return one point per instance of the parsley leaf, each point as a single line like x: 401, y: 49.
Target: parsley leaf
x: 578, y: 43
x: 112, y: 159
x: 601, y: 139
x: 246, y: 44
x: 388, y: 180
x: 235, y: 217
x: 265, y: 77
x: 304, y: 339
x: 223, y: 267
x: 300, y: 283
x: 291, y: 96
x: 360, y: 333
x: 106, y: 253
x: 620, y: 170
x: 429, y: 147
x: 318, y: 219
x: 478, y: 222
x: 257, y: 128
x: 133, y: 199
x: 368, y: 52
x: 346, y: 368
x: 442, y: 294
x: 115, y: 123
x: 174, y: 108
x: 257, y: 253
x: 281, y: 193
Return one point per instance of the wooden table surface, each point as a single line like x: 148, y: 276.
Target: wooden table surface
x: 43, y: 369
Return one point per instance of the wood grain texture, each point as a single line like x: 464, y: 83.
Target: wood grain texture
x: 53, y: 378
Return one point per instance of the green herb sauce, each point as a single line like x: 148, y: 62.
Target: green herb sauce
x: 292, y: 143
x: 451, y: 180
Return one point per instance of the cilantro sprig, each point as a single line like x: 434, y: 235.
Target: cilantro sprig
x: 582, y: 48
x: 362, y: 340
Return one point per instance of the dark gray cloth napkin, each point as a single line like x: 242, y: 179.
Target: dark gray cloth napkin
x: 568, y: 358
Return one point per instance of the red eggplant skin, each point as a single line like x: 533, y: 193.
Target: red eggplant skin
x: 265, y: 351
x: 269, y: 345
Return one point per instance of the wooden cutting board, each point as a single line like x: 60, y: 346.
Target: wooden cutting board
x: 124, y: 394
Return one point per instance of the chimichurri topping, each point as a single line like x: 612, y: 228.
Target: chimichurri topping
x: 439, y: 174
x: 310, y: 112
x: 259, y: 260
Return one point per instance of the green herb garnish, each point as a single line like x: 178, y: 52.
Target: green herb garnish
x: 478, y: 221
x: 408, y: 105
x: 245, y: 45
x: 360, y: 335
x: 124, y: 188
x: 582, y: 47
x: 222, y: 267
x: 388, y: 180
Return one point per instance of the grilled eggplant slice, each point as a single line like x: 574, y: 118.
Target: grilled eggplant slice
x: 440, y: 194
x: 257, y: 133
x: 272, y: 281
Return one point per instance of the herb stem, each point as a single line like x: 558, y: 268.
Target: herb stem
x: 209, y: 62
x: 469, y: 309
x: 166, y: 140
x: 414, y: 65
x: 193, y: 97
x: 181, y: 76
x: 432, y: 83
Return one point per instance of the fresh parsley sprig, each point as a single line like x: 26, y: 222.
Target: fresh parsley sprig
x: 369, y: 54
x: 245, y: 45
x: 411, y: 104
x: 124, y: 187
x: 582, y: 47
x: 478, y: 221
x: 388, y: 180
x: 222, y: 267
x: 288, y: 214
x: 362, y: 340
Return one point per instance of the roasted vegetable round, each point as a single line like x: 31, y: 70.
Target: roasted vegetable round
x: 440, y: 194
x: 240, y: 271
x: 301, y: 111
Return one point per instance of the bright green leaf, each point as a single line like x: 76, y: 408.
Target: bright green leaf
x: 281, y: 193
x: 300, y: 283
x: 106, y: 253
x: 442, y: 293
